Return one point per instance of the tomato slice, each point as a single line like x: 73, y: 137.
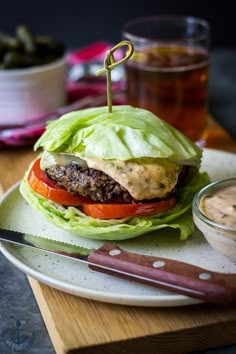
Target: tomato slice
x: 42, y: 185
x: 115, y: 211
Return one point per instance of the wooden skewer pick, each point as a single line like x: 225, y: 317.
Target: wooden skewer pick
x: 110, y: 64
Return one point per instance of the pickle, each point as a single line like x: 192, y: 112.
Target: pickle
x: 13, y: 60
x: 9, y: 41
x: 27, y: 50
x: 26, y: 38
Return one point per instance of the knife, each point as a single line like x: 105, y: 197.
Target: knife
x: 169, y: 274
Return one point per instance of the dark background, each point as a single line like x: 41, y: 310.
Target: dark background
x: 78, y: 23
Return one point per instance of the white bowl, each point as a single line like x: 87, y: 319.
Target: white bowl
x: 220, y: 236
x: 28, y: 93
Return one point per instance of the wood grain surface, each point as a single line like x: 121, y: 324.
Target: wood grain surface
x: 77, y: 325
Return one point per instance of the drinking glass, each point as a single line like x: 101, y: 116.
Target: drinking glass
x: 168, y: 72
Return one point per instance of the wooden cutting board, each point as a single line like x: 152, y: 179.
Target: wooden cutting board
x: 77, y: 325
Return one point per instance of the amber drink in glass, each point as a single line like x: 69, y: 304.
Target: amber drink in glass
x: 168, y: 72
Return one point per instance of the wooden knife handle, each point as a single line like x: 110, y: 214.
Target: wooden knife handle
x: 176, y: 276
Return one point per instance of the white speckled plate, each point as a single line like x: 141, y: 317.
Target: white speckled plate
x: 70, y: 276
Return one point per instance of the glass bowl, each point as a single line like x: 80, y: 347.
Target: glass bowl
x: 219, y: 234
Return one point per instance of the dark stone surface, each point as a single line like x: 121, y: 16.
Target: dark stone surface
x: 19, y: 313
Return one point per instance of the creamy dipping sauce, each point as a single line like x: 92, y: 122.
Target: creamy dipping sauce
x: 220, y: 206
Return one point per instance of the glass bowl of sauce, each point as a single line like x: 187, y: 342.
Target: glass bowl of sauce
x: 214, y: 214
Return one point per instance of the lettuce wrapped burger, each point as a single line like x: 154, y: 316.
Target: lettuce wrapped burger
x: 114, y: 176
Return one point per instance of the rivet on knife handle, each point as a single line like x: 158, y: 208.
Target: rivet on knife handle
x: 180, y: 277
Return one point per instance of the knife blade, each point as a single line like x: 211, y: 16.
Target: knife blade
x: 169, y: 274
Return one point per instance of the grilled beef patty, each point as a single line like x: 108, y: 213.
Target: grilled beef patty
x: 88, y: 182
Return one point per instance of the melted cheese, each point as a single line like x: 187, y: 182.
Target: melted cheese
x: 144, y: 178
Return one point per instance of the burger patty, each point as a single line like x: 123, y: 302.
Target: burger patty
x: 88, y: 182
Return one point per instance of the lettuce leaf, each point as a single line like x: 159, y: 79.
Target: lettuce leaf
x: 124, y: 134
x: 72, y: 219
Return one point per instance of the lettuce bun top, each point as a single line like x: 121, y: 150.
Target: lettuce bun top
x: 126, y: 133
